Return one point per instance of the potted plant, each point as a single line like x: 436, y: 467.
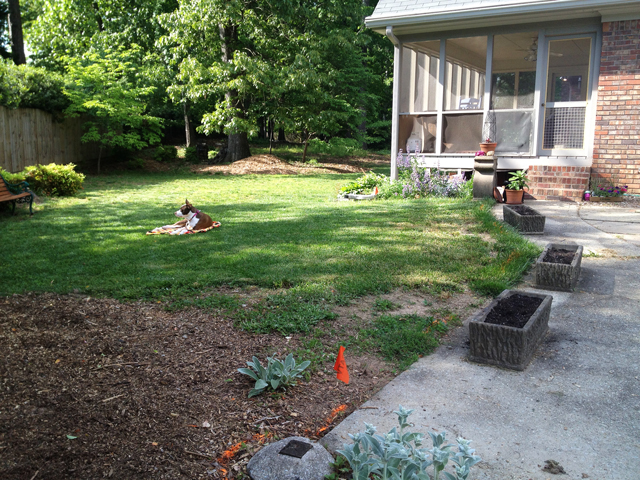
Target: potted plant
x: 488, y: 145
x: 489, y: 133
x: 515, y: 187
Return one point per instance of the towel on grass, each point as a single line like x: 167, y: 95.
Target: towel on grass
x: 179, y: 229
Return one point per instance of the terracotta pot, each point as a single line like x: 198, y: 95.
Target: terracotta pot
x: 488, y: 147
x: 514, y: 197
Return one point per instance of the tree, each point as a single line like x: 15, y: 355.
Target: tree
x: 15, y: 29
x: 298, y: 63
x: 102, y: 86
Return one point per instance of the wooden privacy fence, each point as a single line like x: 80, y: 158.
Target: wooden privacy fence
x: 29, y: 136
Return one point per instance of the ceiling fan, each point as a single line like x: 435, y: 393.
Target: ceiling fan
x: 532, y: 51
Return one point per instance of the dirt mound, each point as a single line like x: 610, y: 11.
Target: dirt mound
x: 272, y: 165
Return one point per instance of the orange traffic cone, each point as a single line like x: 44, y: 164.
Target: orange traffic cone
x: 341, y: 367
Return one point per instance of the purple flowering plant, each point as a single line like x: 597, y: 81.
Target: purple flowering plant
x: 600, y: 188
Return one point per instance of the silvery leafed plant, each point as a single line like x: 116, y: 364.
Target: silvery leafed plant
x: 398, y: 456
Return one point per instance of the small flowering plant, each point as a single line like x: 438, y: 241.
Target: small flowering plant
x: 601, y: 188
x: 609, y: 191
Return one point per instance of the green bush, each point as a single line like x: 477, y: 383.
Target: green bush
x: 166, y: 153
x: 365, y: 184
x: 135, y: 164
x: 24, y: 86
x: 191, y: 155
x: 337, y: 147
x: 12, y: 177
x: 54, y: 180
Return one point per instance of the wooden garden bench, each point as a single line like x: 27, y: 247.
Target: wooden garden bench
x: 18, y: 192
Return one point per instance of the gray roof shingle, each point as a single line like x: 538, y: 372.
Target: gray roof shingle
x: 387, y: 8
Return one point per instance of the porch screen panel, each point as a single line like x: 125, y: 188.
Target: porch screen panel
x: 461, y: 133
x: 419, y: 81
x: 564, y: 128
x: 465, y: 73
x: 514, y: 131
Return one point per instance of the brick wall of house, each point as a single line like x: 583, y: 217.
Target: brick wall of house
x: 616, y: 154
x: 557, y: 183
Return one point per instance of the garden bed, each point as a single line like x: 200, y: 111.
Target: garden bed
x: 508, y: 331
x: 102, y: 389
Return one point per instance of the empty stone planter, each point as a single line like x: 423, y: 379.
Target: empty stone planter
x: 551, y: 275
x: 525, y: 219
x: 508, y: 346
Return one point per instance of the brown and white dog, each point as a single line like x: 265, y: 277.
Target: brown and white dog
x: 193, y: 220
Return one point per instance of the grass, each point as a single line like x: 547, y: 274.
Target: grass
x: 286, y: 234
x: 277, y: 232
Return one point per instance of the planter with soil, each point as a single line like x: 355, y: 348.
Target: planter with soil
x: 525, y: 219
x: 558, y: 267
x: 508, y: 331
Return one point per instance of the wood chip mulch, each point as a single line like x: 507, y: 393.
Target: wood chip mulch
x: 95, y: 388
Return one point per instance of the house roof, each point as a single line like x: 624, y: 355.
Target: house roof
x: 414, y: 16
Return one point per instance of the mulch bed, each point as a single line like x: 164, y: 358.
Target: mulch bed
x: 95, y: 388
x: 513, y: 311
x: 559, y: 255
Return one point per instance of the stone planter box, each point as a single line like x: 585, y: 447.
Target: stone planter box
x: 506, y: 346
x: 559, y: 276
x: 525, y: 219
x: 606, y: 199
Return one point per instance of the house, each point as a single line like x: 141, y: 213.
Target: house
x: 561, y: 79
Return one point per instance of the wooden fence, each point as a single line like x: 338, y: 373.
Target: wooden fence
x: 30, y: 137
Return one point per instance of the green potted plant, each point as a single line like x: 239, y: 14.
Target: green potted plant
x: 515, y: 187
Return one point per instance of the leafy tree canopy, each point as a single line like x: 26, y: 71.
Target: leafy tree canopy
x: 103, y: 86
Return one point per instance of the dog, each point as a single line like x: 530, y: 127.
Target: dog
x: 193, y: 220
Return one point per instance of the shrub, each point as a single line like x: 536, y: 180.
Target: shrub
x: 276, y: 374
x: 191, y: 155
x: 166, y: 153
x: 397, y: 455
x: 13, y: 177
x: 31, y: 87
x: 364, y: 184
x: 54, y: 180
x: 337, y: 147
x: 135, y: 164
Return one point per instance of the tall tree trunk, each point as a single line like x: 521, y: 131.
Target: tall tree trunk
x: 98, y: 16
x: 15, y: 29
x: 306, y: 145
x: 99, y: 157
x: 237, y: 143
x: 189, y: 127
x: 281, y: 137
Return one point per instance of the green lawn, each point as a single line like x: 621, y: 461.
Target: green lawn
x: 277, y: 231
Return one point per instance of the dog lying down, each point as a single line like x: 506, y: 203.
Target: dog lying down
x: 194, y: 221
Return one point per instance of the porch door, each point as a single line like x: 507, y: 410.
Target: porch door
x: 568, y: 62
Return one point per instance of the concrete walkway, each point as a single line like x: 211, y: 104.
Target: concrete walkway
x: 577, y: 403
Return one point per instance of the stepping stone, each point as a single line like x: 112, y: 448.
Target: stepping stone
x: 294, y: 458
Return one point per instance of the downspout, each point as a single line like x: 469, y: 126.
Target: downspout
x: 395, y: 111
